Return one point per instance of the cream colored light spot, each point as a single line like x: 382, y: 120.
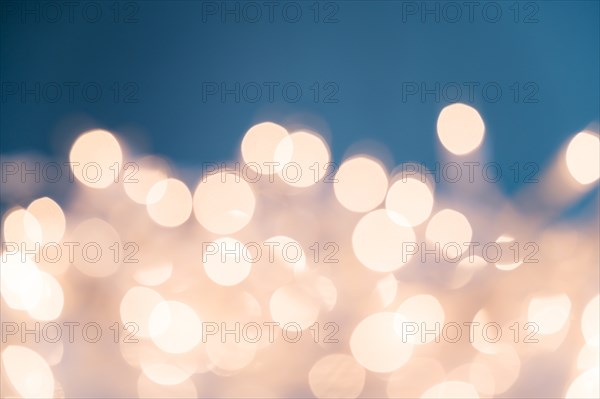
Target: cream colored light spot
x: 96, y: 244
x: 165, y: 374
x: 376, y: 344
x: 226, y: 261
x: 360, y: 184
x: 411, y: 199
x: 590, y: 324
x: 174, y: 327
x: 50, y: 217
x: 96, y: 159
x: 141, y: 176
x: 583, y: 157
x: 21, y: 283
x: 309, y: 161
x: 153, y: 275
x: 137, y: 306
x: 424, y: 313
x: 509, y: 256
x: 28, y: 372
x: 549, y: 313
x: 22, y: 229
x: 460, y: 128
x: 260, y: 144
x: 294, y: 305
x: 51, y: 301
x: 379, y: 241
x: 585, y: 386
x: 451, y: 389
x: 147, y: 388
x: 229, y: 353
x: 223, y: 203
x: 169, y: 203
x: 451, y: 230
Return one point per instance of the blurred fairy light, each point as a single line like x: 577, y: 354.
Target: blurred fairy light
x: 251, y: 262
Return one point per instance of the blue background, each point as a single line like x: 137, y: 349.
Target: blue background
x: 170, y: 48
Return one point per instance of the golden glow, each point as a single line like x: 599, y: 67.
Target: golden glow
x: 223, y: 203
x: 96, y: 159
x: 28, y: 372
x: 376, y: 344
x: 169, y: 203
x: 411, y: 199
x: 460, y: 128
x: 378, y: 240
x: 583, y: 157
x: 360, y: 184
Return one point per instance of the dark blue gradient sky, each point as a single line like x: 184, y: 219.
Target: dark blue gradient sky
x: 366, y: 57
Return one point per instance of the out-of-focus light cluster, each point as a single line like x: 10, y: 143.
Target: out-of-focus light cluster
x: 352, y: 289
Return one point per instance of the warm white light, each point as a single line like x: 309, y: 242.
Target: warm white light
x: 410, y: 199
x: 549, y: 313
x: 451, y: 230
x: 376, y: 344
x: 460, y: 128
x: 590, y: 324
x: 28, y: 372
x: 309, y: 161
x: 96, y: 159
x: 259, y: 145
x: 585, y: 386
x: 174, y: 327
x: 425, y: 312
x: 223, y: 203
x: 378, y: 241
x: 360, y: 184
x: 50, y: 217
x: 226, y: 261
x: 169, y: 203
x: 583, y: 157
x: 451, y: 390
x: 293, y: 305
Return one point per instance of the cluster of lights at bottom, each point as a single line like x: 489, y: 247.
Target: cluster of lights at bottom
x: 302, y: 282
